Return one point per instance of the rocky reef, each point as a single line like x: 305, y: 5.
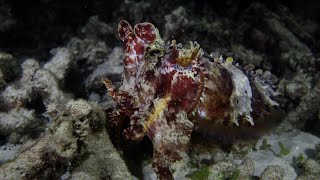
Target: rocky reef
x: 75, y: 136
x: 57, y: 119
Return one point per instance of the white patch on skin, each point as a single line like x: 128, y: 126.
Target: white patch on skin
x: 166, y: 69
x: 210, y: 85
x: 175, y: 78
x: 127, y: 85
x: 189, y: 74
x: 265, y: 91
x: 249, y: 119
x: 139, y: 40
x: 157, y: 137
x: 240, y: 99
x: 153, y: 32
x: 202, y: 113
x: 140, y: 68
x: 235, y: 120
x: 133, y: 54
x: 129, y: 66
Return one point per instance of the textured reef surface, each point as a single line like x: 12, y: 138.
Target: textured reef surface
x: 192, y: 90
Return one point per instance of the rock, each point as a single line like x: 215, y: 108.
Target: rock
x: 95, y: 28
x: 8, y: 152
x: 221, y: 170
x: 311, y: 170
x: 19, y: 123
x: 312, y: 167
x: 297, y: 143
x: 247, y: 56
x: 318, y: 153
x: 273, y: 172
x: 9, y: 68
x: 247, y: 167
x: 35, y: 83
x: 6, y: 16
x: 37, y: 87
x: 77, y: 137
x: 59, y: 63
x: 305, y: 110
x: 112, y: 68
x: 175, y: 23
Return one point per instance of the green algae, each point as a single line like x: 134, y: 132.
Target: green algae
x: 201, y: 174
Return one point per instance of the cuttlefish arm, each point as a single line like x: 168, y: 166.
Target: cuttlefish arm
x: 169, y: 133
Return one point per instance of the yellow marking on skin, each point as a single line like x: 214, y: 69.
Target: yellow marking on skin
x: 160, y: 107
x: 186, y: 56
x: 229, y: 60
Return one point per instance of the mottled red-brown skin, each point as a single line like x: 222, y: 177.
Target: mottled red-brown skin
x: 167, y: 91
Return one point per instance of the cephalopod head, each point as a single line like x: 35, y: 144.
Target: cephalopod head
x: 181, y: 70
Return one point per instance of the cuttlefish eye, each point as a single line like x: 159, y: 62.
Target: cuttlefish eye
x: 178, y: 67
